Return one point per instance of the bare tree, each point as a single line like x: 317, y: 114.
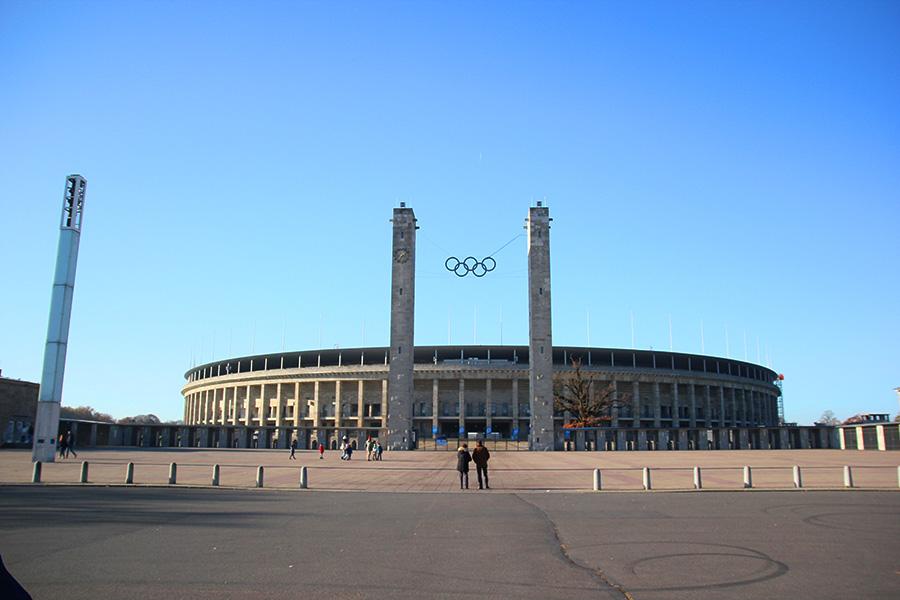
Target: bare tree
x: 828, y: 418
x: 575, y: 392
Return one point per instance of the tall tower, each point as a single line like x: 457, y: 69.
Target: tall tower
x: 403, y: 304
x: 540, y: 340
x: 47, y: 420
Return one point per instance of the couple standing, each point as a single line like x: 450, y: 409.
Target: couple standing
x: 480, y: 455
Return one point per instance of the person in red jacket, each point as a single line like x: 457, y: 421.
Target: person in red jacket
x: 480, y: 457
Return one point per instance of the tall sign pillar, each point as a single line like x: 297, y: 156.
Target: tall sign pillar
x: 46, y: 422
x: 540, y: 340
x: 403, y: 301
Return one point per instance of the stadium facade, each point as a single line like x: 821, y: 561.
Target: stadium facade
x: 427, y: 396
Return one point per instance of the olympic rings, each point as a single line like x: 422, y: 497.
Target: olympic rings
x: 478, y: 268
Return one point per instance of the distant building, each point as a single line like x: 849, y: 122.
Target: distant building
x: 18, y: 405
x: 868, y: 418
x: 322, y: 395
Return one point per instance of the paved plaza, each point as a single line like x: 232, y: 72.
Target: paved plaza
x: 435, y: 471
x: 539, y: 533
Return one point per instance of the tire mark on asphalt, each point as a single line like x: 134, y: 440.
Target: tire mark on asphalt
x: 598, y: 572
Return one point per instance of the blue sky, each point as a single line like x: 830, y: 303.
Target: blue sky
x: 730, y: 163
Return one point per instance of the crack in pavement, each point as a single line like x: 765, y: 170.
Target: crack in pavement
x: 598, y: 572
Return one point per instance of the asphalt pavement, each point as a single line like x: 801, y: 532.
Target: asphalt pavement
x: 70, y: 542
x: 151, y: 541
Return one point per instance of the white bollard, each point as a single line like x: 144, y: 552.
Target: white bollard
x: 172, y: 471
x: 129, y: 473
x: 36, y: 474
x: 798, y: 483
x: 596, y: 480
x: 698, y: 484
x: 748, y: 478
x: 259, y: 477
x: 215, y: 477
x: 848, y: 477
x: 303, y: 480
x: 84, y: 472
x: 646, y: 478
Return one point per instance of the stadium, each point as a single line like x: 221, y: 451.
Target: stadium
x: 434, y: 396
x: 678, y: 401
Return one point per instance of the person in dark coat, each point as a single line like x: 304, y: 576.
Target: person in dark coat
x: 70, y: 445
x: 462, y: 465
x: 480, y: 456
x: 293, y: 449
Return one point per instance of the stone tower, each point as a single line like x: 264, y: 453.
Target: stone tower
x: 540, y: 341
x: 403, y: 303
x: 46, y: 422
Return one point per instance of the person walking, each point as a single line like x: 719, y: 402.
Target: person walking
x: 370, y: 447
x: 70, y: 445
x: 480, y: 456
x: 63, y: 445
x: 293, y: 449
x: 462, y: 465
x: 321, y: 451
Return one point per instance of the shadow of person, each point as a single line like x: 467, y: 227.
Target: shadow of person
x: 9, y: 587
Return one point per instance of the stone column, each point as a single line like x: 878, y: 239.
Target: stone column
x: 722, y: 407
x: 488, y: 405
x: 400, y: 375
x: 361, y: 407
x: 338, y: 408
x: 657, y: 406
x: 636, y: 402
x: 462, y: 407
x: 298, y: 405
x: 614, y: 413
x: 754, y: 410
x: 435, y: 406
x: 278, y: 406
x: 704, y: 401
x: 676, y: 411
x: 693, y: 390
x: 248, y: 403
x: 515, y: 413
x: 540, y: 343
x: 734, y: 414
x: 384, y: 402
x: 317, y: 419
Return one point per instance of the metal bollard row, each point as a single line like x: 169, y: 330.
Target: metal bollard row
x: 173, y: 471
x: 698, y: 482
